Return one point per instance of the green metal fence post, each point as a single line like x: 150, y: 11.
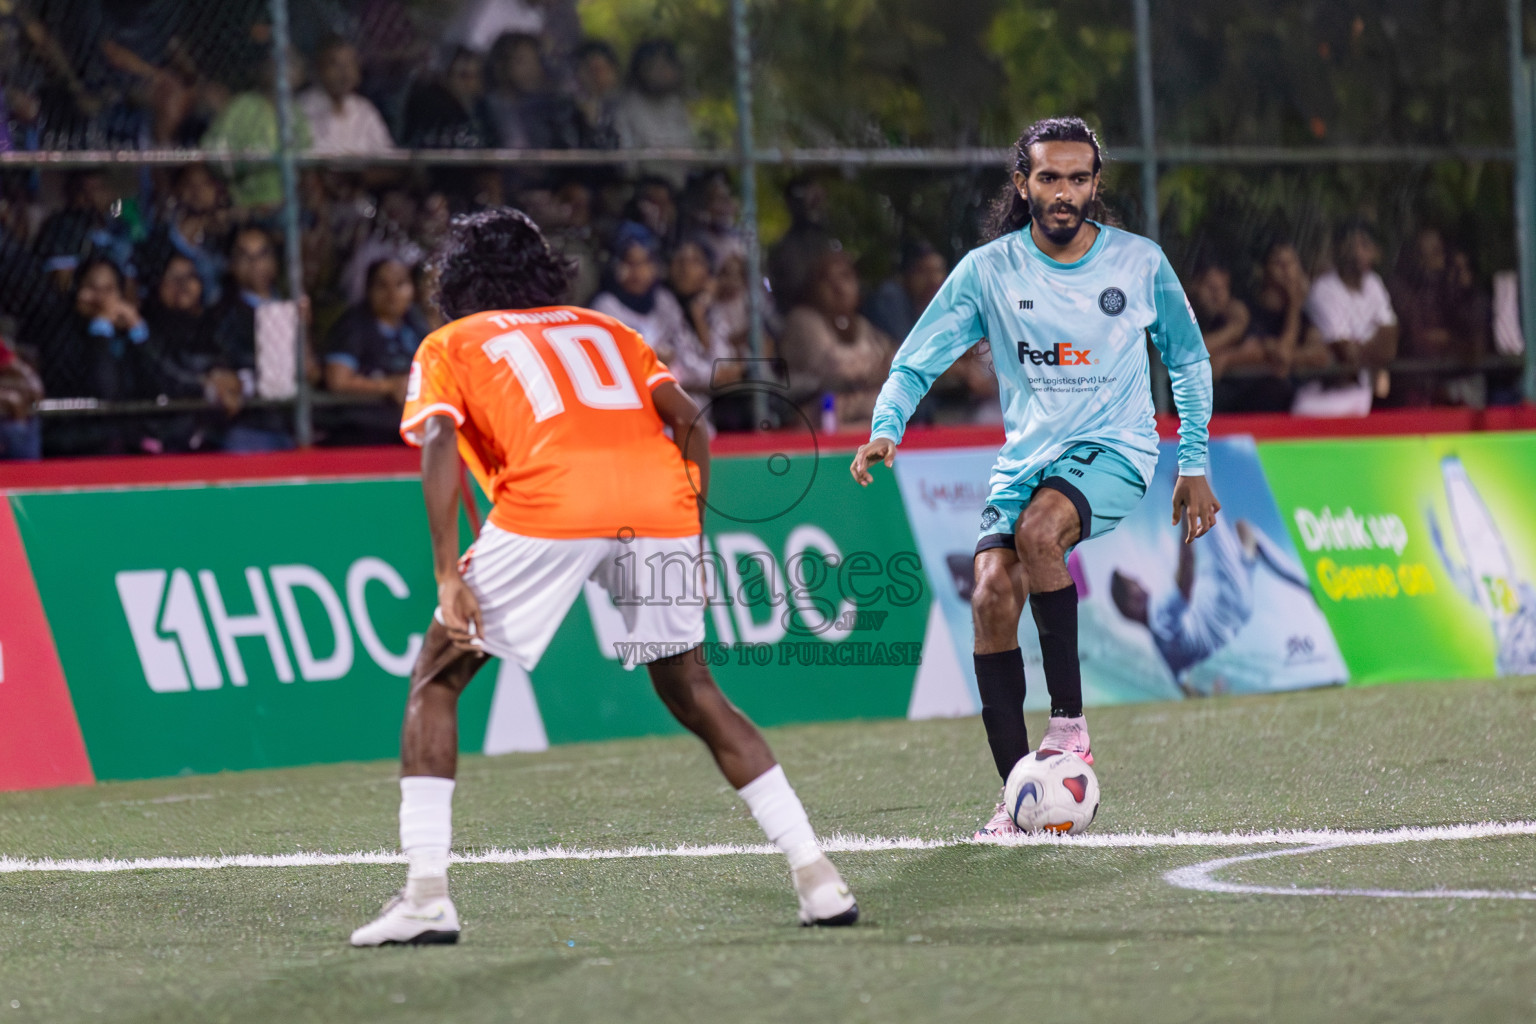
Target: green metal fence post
x: 303, y: 424
x: 746, y: 156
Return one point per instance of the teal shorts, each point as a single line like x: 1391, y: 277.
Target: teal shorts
x: 1101, y: 484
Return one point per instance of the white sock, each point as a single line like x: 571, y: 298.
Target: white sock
x: 426, y: 830
x: 778, y: 810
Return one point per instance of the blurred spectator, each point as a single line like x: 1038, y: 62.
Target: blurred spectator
x: 85, y: 226
x: 194, y: 223
x: 392, y: 49
x: 837, y: 359
x: 370, y: 353
x: 180, y: 362
x: 21, y: 434
x: 731, y: 307
x: 596, y: 95
x: 340, y: 120
x: 1279, y: 317
x: 710, y: 209
x: 96, y: 355
x: 1443, y: 316
x: 792, y: 258
x: 655, y: 207
x: 450, y: 112
x: 525, y: 112
x: 233, y: 327
x: 967, y: 391
x: 479, y: 22
x: 1353, y: 313
x: 895, y: 306
x: 633, y: 294
x: 249, y: 123
x: 1259, y: 385
x: 651, y: 114
x: 691, y: 278
x: 565, y: 217
x: 91, y: 359
x: 173, y: 92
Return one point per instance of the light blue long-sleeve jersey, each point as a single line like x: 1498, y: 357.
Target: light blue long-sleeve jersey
x: 1068, y: 342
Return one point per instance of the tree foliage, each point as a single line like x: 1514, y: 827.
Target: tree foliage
x: 948, y: 73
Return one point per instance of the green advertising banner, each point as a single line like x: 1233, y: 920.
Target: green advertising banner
x: 227, y: 627
x: 1419, y: 550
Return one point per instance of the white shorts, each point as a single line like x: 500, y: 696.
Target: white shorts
x: 526, y: 585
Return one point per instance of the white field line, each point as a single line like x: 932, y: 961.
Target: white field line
x: 1198, y: 877
x: 1308, y: 838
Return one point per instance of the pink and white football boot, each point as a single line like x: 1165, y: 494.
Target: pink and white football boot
x: 1068, y: 736
x: 1000, y: 824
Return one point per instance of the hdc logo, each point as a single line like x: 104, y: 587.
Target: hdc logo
x: 1057, y: 355
x: 176, y: 646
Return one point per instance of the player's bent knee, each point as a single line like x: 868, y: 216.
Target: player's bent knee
x: 441, y: 663
x: 993, y: 597
x: 1040, y: 543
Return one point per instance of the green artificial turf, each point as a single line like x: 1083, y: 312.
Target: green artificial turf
x: 1037, y: 933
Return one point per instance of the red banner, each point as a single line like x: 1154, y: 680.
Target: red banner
x: 40, y: 743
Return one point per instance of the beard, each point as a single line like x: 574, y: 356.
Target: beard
x: 1057, y: 233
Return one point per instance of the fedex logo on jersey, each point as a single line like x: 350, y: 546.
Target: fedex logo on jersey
x: 169, y: 618
x: 1057, y: 355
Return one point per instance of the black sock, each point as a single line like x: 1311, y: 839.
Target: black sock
x: 1000, y: 678
x: 1056, y: 617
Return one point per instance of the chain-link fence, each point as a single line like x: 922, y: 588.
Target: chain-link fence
x: 158, y: 294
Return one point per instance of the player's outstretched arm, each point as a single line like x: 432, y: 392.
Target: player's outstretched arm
x: 440, y: 487
x: 1194, y: 505
x: 879, y: 449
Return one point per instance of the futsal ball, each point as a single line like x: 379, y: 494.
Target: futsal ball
x: 1049, y: 791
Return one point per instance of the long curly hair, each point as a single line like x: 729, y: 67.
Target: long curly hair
x: 1010, y: 211
x: 498, y: 259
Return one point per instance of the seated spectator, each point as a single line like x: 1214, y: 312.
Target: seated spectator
x: 194, y: 223
x: 340, y: 120
x: 1225, y: 323
x: 633, y: 294
x: 565, y: 217
x: 731, y: 305
x: 96, y: 355
x: 654, y: 206
x: 370, y: 353
x: 525, y: 111
x: 91, y: 358
x: 837, y: 359
x: 792, y: 257
x: 478, y: 23
x: 596, y: 95
x: 1443, y: 317
x: 170, y: 91
x: 710, y: 209
x: 895, y: 306
x: 249, y: 123
x: 651, y: 113
x: 233, y: 332
x: 691, y: 279
x: 21, y: 433
x: 450, y: 112
x: 180, y: 363
x: 1279, y: 318
x: 82, y: 228
x: 1354, y: 315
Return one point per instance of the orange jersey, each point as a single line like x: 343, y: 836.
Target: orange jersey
x: 556, y: 421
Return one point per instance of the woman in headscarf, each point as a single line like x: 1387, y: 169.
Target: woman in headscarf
x: 634, y: 295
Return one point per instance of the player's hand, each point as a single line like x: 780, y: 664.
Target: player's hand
x: 461, y: 614
x: 1194, y: 505
x: 881, y: 449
